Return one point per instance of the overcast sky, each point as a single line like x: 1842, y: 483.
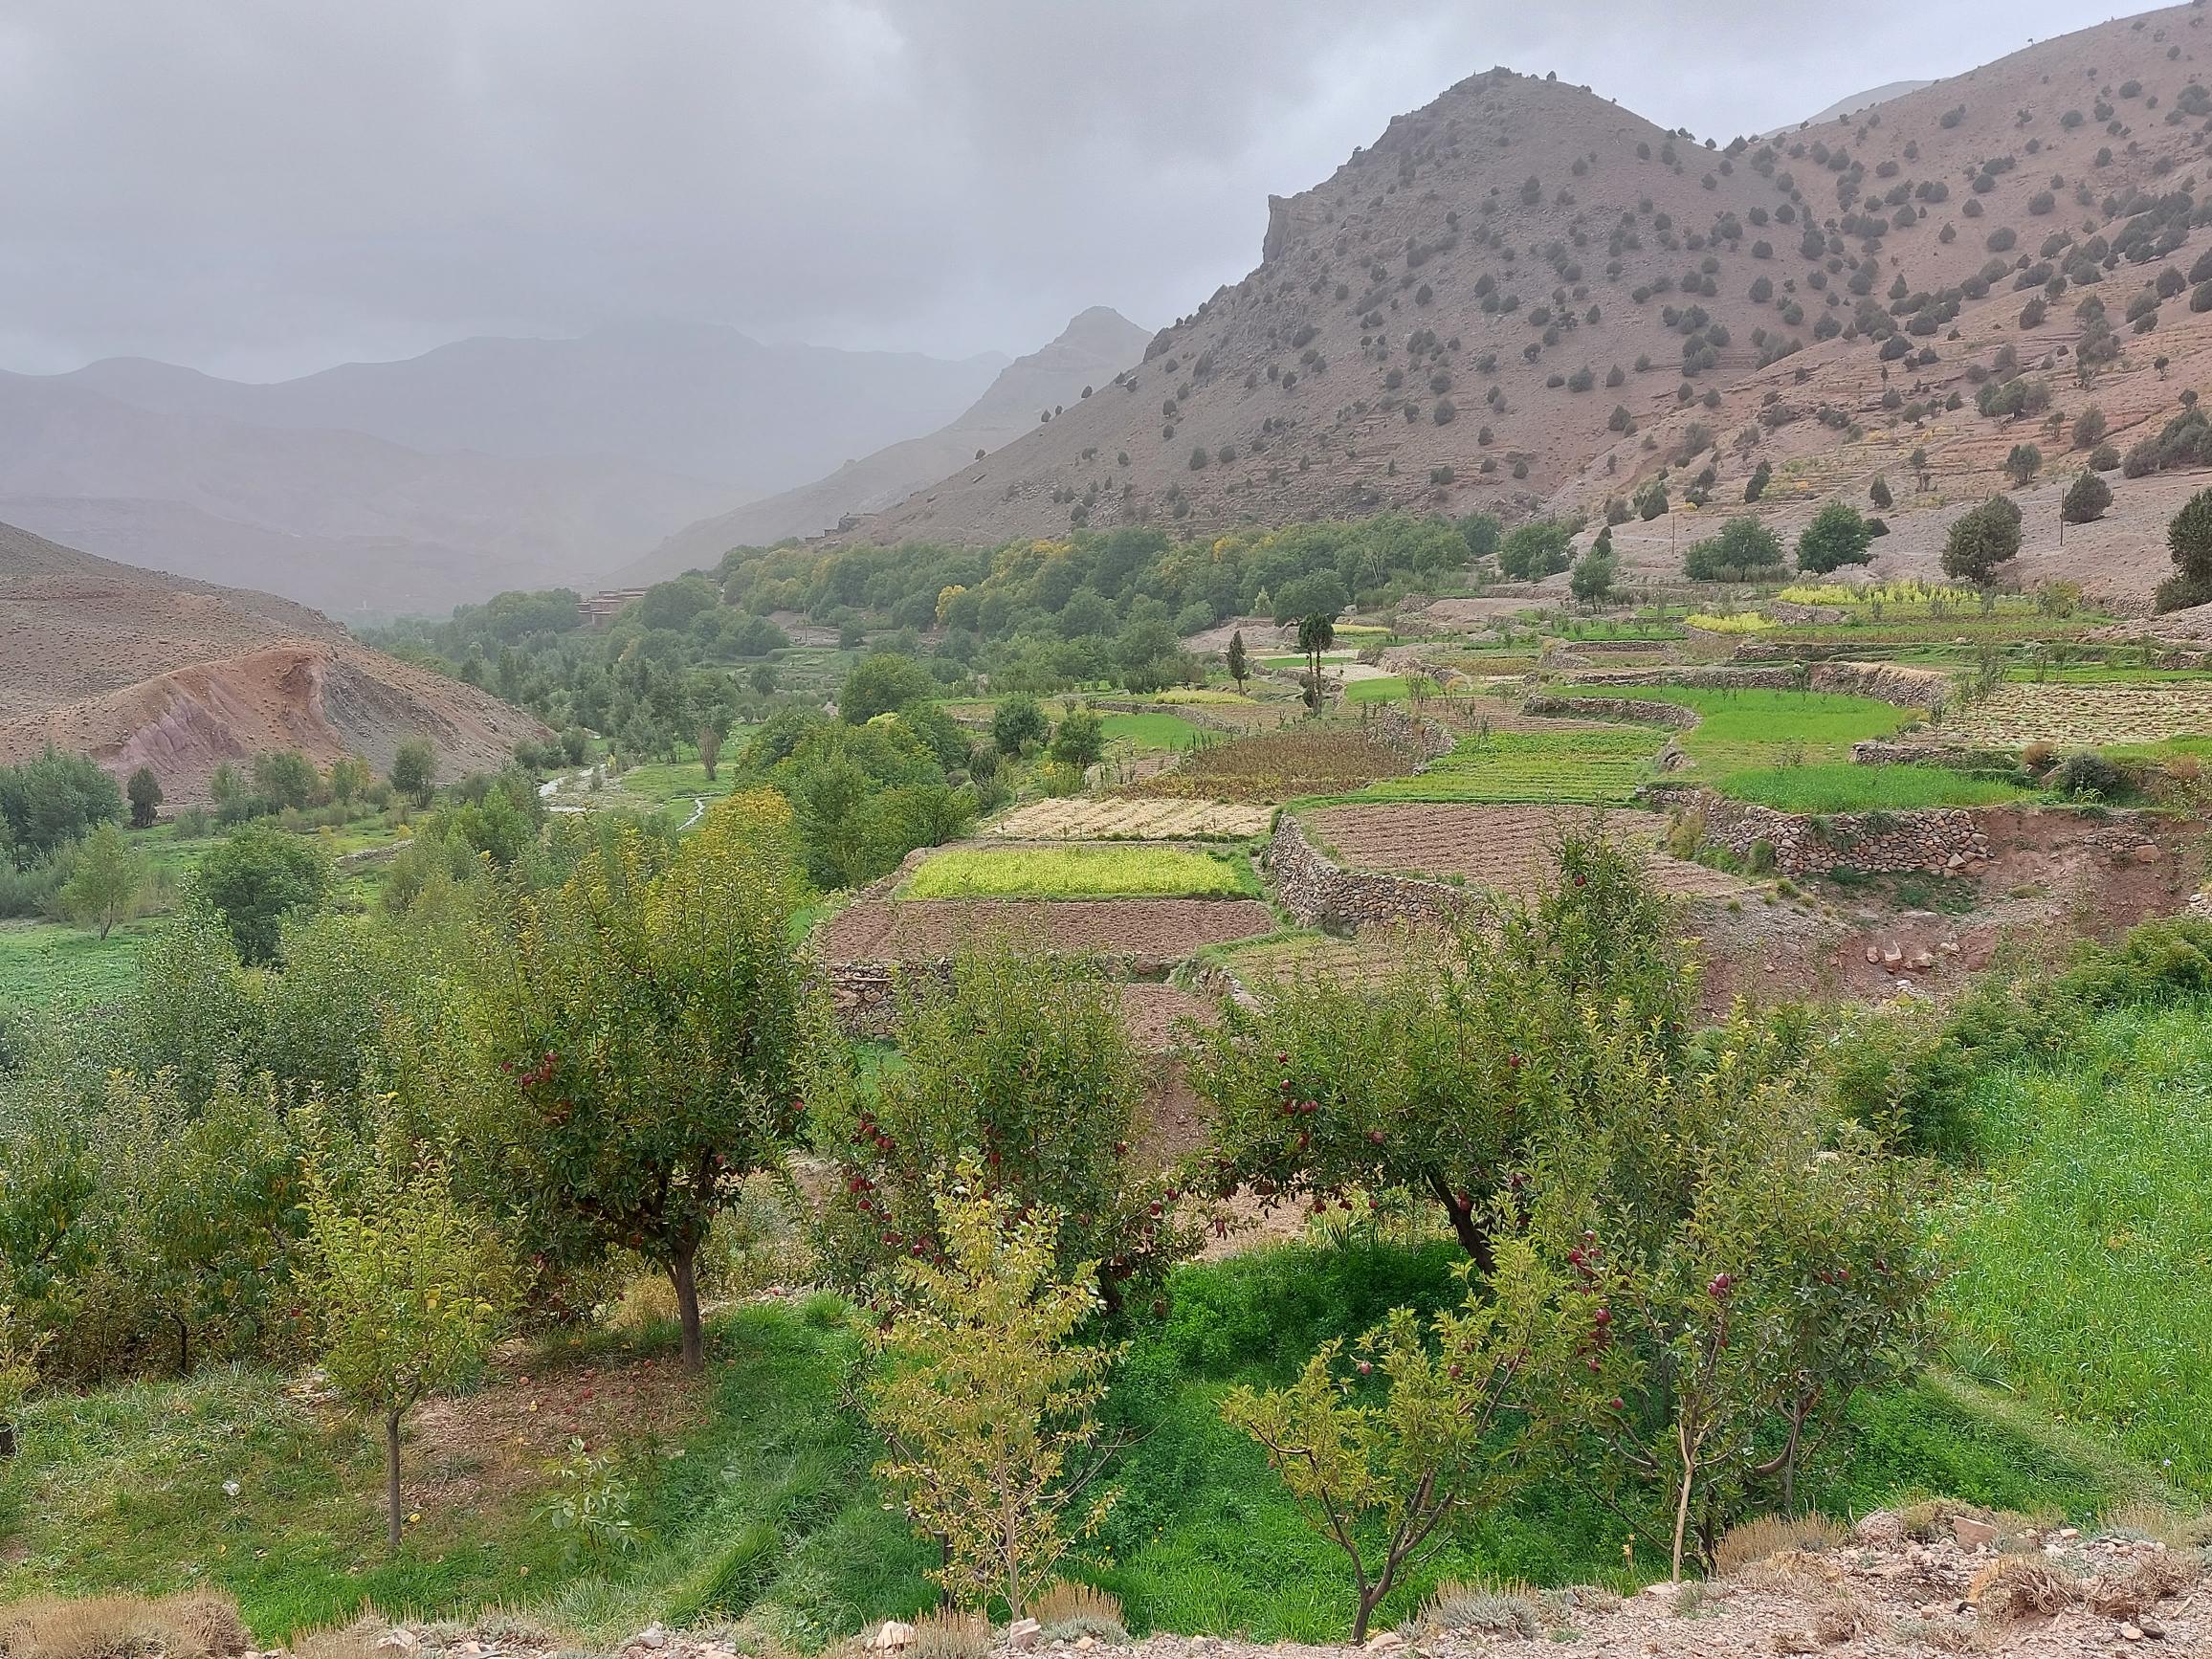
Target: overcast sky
x: 261, y: 187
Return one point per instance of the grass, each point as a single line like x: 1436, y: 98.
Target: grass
x: 1387, y: 687
x: 665, y: 783
x: 1590, y: 768
x: 1751, y: 727
x: 1082, y: 873
x: 762, y: 1504
x: 45, y: 963
x: 1149, y: 732
x: 1842, y: 787
x: 2083, y: 1263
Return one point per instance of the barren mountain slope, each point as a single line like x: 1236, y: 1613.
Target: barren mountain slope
x: 131, y: 668
x: 1502, y: 261
x: 1098, y: 344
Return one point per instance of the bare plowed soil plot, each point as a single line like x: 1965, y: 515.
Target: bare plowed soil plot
x: 1080, y: 818
x: 1151, y: 930
x: 1504, y: 848
x: 2086, y: 715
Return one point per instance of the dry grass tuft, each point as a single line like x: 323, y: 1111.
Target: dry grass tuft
x: 1792, y: 1570
x: 1769, y: 1534
x: 1459, y: 1609
x: 2020, y: 1587
x: 2139, y: 1586
x: 1068, y: 1612
x: 1844, y: 1616
x: 355, y: 1641
x: 946, y: 1633
x: 1943, y: 1635
x: 194, y: 1626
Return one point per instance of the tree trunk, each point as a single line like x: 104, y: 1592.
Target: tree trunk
x: 687, y: 1306
x: 184, y: 1346
x: 391, y: 1476
x: 1682, y: 1502
x: 1473, y: 1236
x: 1369, y: 1595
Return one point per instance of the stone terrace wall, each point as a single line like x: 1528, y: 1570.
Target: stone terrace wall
x: 1950, y: 757
x: 1938, y: 840
x: 1639, y: 710
x: 1321, y: 893
x: 1915, y: 688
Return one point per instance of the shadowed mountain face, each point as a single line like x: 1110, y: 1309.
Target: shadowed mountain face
x: 1523, y: 297
x: 378, y: 488
x: 1094, y: 347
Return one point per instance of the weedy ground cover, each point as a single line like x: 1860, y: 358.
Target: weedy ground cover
x: 1082, y: 873
x: 1839, y: 787
x: 1588, y: 766
x: 1149, y: 732
x: 2085, y: 715
x: 1308, y: 759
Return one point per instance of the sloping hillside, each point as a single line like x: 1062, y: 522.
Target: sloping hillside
x: 135, y: 667
x: 1524, y: 294
x: 1094, y: 347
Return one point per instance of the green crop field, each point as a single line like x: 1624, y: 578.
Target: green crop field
x: 1082, y: 873
x: 1839, y: 787
x: 1389, y: 688
x: 1754, y: 727
x: 1150, y: 732
x: 1591, y: 767
x: 44, y: 962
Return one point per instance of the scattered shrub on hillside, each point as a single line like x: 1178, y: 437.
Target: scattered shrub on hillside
x: 1981, y: 540
x: 1837, y: 535
x: 2086, y: 500
x: 1743, y: 551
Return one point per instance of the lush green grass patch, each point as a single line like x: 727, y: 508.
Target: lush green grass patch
x: 1844, y: 787
x: 1753, y: 727
x: 1389, y: 688
x: 44, y: 962
x: 1148, y: 731
x: 1575, y: 767
x: 1082, y: 873
x: 2084, y: 1264
x: 665, y: 783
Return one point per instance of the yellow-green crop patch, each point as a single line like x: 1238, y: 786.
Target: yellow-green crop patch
x: 1082, y: 873
x: 1583, y: 767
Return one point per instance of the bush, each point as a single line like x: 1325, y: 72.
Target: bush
x: 1756, y: 485
x: 1878, y: 493
x: 1981, y: 540
x: 2023, y: 463
x: 1535, y: 550
x: 1837, y: 535
x: 2086, y: 500
x: 50, y: 801
x: 2089, y: 427
x: 2091, y: 776
x: 257, y: 878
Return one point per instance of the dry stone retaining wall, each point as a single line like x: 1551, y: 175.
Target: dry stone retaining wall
x: 1321, y: 893
x: 1938, y: 840
x: 1950, y: 757
x: 1912, y: 687
x: 1641, y: 711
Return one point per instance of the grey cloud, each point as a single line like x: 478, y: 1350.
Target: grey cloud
x: 266, y: 185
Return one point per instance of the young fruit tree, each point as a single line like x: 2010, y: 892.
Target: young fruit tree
x: 107, y: 883
x: 409, y: 1291
x: 647, y: 1027
x: 986, y: 1401
x: 1430, y: 1422
x: 1438, y: 1080
x: 1023, y: 1063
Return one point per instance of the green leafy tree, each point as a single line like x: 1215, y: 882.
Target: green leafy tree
x: 987, y: 1403
x: 350, y: 780
x: 414, y: 770
x: 1316, y: 634
x: 646, y: 1026
x: 144, y: 790
x: 1591, y: 581
x: 1981, y: 540
x: 1239, y: 666
x: 714, y: 709
x: 51, y: 800
x: 107, y: 881
x: 1532, y: 551
x: 1439, y: 1079
x: 2086, y: 500
x: 1018, y: 723
x: 258, y: 877
x: 1838, y: 535
x: 1745, y: 550
x: 1080, y: 739
x: 1432, y: 1423
x: 1023, y: 1063
x: 284, y: 778
x: 2189, y: 542
x: 2022, y: 463
x: 409, y: 1291
x: 880, y: 684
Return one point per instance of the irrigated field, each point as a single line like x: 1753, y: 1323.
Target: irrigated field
x: 1081, y: 818
x: 1151, y: 930
x: 1079, y: 872
x: 1503, y: 848
x: 2076, y: 716
x: 1591, y: 767
x: 1842, y: 787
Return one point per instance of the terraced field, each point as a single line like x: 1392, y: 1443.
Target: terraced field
x: 1079, y: 872
x: 1273, y: 766
x: 1595, y: 765
x: 2086, y: 715
x: 1503, y: 848
x: 1153, y: 932
x: 1082, y: 818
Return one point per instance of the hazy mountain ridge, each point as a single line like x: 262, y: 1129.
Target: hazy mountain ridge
x: 1096, y: 344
